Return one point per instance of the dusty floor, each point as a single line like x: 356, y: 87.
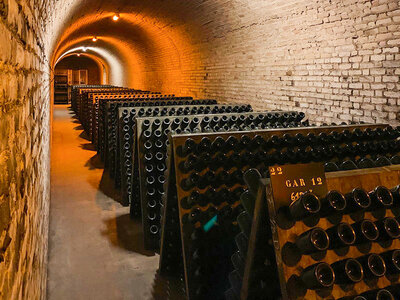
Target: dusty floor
x: 95, y: 249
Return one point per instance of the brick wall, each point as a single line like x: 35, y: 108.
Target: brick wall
x: 24, y: 152
x: 336, y: 60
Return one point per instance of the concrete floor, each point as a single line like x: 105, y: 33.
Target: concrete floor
x: 95, y: 249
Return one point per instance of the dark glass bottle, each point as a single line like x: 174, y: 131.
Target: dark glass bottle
x: 381, y: 294
x: 366, y: 231
x: 348, y: 271
x: 204, y: 145
x: 341, y: 235
x: 312, y: 241
x: 373, y: 265
x: 357, y: 200
x: 381, y: 197
x: 333, y: 203
x: 389, y: 229
x: 218, y: 144
x: 307, y: 205
x: 392, y: 261
x: 318, y: 276
x: 191, y: 181
x: 188, y: 147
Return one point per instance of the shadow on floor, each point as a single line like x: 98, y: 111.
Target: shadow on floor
x: 127, y: 234
x: 88, y: 146
x: 83, y: 135
x: 94, y: 162
x: 167, y: 288
x: 107, y: 187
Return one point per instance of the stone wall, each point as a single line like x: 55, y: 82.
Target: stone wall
x: 24, y: 152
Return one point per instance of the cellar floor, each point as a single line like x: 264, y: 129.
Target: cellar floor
x: 95, y: 249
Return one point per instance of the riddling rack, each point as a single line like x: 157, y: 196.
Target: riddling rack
x: 206, y: 201
x: 346, y: 245
x: 152, y: 137
x: 128, y: 140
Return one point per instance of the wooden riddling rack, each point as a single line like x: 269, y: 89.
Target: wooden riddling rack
x: 108, y: 118
x: 211, y: 280
x: 127, y: 138
x: 151, y: 191
x: 288, y: 271
x: 111, y: 130
x: 82, y: 95
x: 95, y: 99
x: 90, y: 104
x: 75, y: 92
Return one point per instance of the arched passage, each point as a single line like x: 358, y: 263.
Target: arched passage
x: 335, y: 60
x: 78, y: 62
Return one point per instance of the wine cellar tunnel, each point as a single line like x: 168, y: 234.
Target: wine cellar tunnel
x: 65, y: 232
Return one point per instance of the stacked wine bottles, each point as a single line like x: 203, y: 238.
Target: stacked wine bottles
x: 342, y: 243
x: 111, y: 139
x: 208, y: 192
x: 153, y: 142
x: 96, y: 98
x: 76, y: 92
x: 125, y: 165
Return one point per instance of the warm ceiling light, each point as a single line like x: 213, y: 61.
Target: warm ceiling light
x: 115, y: 17
x: 78, y: 54
x: 94, y: 39
x: 84, y: 49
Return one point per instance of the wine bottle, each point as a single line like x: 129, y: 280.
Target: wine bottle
x: 191, y: 181
x: 396, y: 196
x: 204, y: 145
x: 307, y: 205
x: 357, y: 200
x: 188, y: 147
x: 389, y: 229
x: 373, y: 265
x: 341, y: 235
x: 366, y: 231
x: 333, y: 203
x: 381, y: 197
x: 312, y: 241
x: 318, y: 276
x: 382, y: 294
x: 348, y: 271
x: 392, y: 261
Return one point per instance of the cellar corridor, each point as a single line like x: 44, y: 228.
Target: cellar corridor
x: 95, y: 249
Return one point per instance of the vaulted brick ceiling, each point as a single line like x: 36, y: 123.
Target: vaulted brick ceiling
x: 151, y: 45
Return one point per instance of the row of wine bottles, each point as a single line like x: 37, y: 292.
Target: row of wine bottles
x: 358, y: 200
x: 351, y: 270
x: 344, y: 235
x: 230, y: 120
x: 334, y: 143
x: 153, y: 145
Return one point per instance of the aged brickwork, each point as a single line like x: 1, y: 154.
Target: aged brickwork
x: 24, y: 152
x: 336, y: 60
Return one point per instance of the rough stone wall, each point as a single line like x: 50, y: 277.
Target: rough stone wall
x: 24, y: 151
